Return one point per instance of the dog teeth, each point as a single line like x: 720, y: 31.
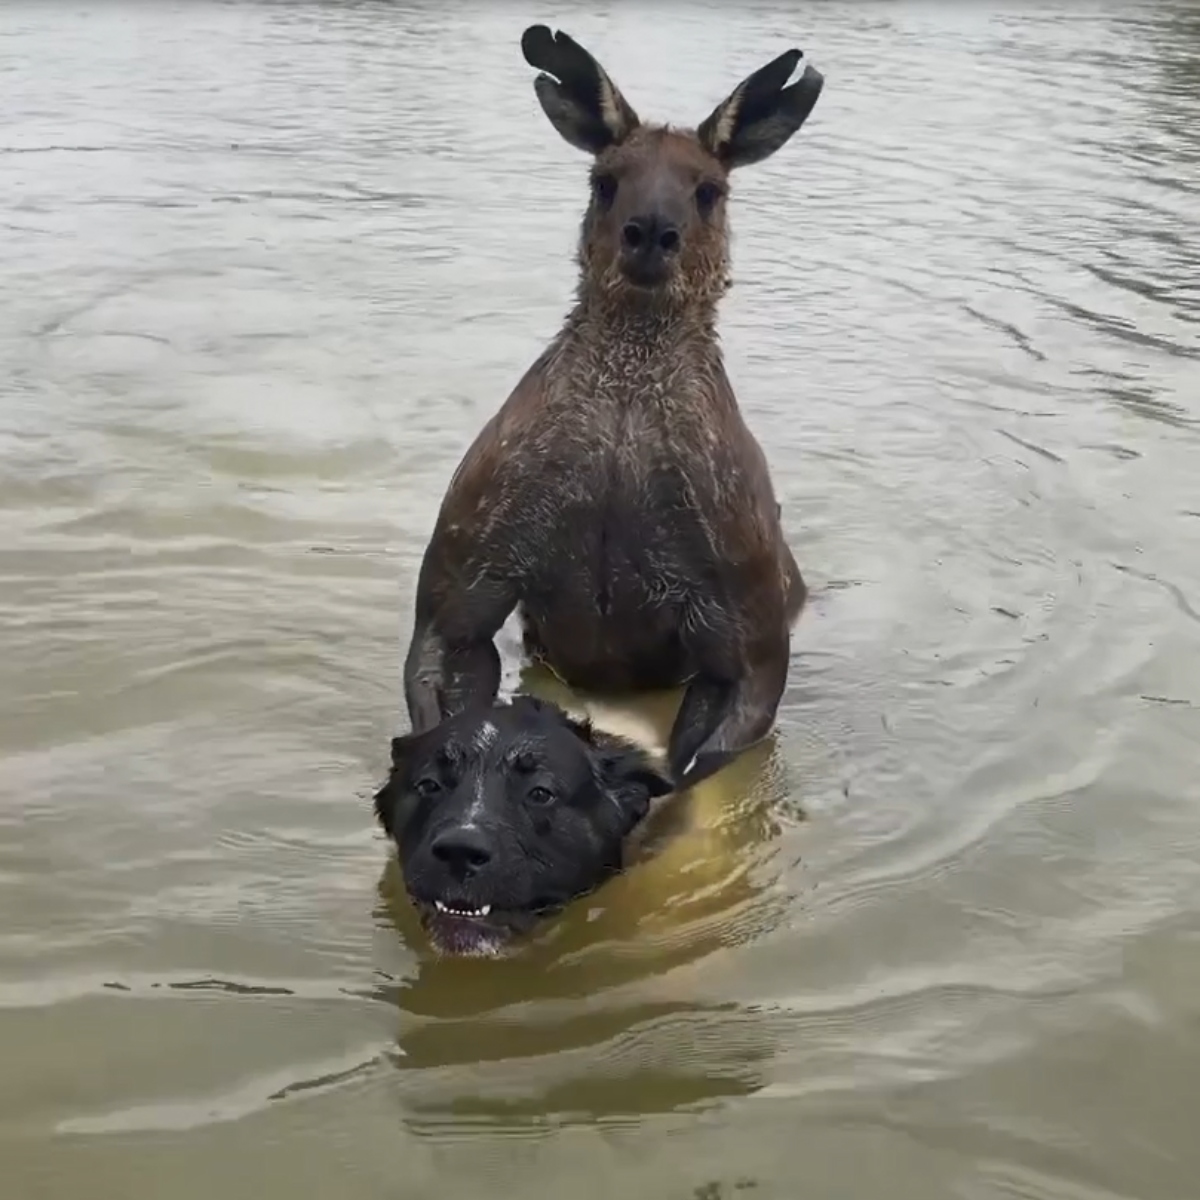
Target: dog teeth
x: 482, y: 911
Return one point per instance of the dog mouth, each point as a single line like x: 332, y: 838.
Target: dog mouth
x: 466, y: 911
x: 467, y: 928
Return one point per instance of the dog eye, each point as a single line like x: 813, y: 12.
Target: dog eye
x: 540, y: 796
x: 427, y: 787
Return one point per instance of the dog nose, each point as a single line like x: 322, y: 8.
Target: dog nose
x: 650, y: 233
x: 463, y: 849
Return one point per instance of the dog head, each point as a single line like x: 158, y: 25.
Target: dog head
x: 503, y: 815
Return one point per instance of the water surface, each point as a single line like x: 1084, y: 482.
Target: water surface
x: 266, y: 269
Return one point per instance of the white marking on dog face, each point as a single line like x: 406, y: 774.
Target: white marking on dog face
x: 475, y: 810
x: 485, y: 736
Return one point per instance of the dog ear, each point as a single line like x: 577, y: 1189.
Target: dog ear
x: 628, y: 775
x: 388, y: 796
x: 625, y: 772
x: 575, y: 92
x: 581, y: 727
x: 402, y: 748
x: 385, y: 801
x: 761, y: 113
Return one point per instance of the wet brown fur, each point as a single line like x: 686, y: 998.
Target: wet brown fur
x: 618, y: 498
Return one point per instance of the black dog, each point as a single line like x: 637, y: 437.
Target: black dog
x: 503, y: 814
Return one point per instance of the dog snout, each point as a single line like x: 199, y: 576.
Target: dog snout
x: 463, y: 849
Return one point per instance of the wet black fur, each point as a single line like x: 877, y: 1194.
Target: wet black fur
x: 544, y: 798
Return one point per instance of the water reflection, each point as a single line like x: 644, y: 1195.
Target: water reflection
x: 606, y: 980
x: 507, y: 1038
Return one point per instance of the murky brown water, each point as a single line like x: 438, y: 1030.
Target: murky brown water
x: 266, y: 268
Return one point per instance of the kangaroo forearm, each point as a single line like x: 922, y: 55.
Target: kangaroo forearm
x: 472, y: 676
x: 719, y: 720
x: 700, y: 715
x: 442, y: 679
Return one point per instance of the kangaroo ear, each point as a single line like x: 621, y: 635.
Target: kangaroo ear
x: 761, y: 113
x: 583, y: 104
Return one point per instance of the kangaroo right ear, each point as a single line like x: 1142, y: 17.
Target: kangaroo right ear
x: 583, y: 104
x: 761, y: 113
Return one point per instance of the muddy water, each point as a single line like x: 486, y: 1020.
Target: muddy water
x: 266, y: 269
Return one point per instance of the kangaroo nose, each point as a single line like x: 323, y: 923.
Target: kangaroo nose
x: 649, y: 234
x: 463, y: 849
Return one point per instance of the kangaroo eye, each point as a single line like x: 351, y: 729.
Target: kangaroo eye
x: 707, y: 195
x: 540, y: 796
x: 605, y: 188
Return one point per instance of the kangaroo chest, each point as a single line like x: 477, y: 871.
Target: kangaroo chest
x: 620, y: 524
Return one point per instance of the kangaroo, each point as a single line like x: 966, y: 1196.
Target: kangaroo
x: 617, y: 500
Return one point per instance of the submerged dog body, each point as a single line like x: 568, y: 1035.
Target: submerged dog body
x: 617, y: 499
x: 503, y: 814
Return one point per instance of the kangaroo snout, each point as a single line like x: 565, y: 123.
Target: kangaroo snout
x: 649, y: 245
x: 650, y: 235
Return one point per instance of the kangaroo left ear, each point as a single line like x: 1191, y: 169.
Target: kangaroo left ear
x: 761, y: 113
